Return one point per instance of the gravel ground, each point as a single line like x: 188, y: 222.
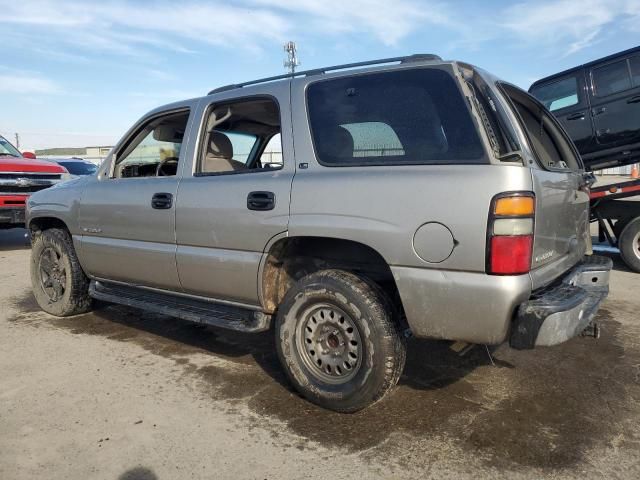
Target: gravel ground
x: 123, y: 394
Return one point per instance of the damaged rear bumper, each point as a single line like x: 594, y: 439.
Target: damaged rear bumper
x: 563, y: 310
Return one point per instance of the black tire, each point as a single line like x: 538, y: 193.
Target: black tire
x: 618, y: 227
x: 344, y: 382
x: 629, y: 244
x: 64, y: 290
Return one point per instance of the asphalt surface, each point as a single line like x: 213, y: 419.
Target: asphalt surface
x: 123, y: 394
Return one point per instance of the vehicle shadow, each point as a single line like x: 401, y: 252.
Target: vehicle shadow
x: 532, y: 408
x: 14, y: 239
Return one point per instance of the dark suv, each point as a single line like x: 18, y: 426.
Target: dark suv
x: 598, y: 104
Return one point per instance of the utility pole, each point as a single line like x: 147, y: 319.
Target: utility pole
x: 292, y: 57
x: 17, y: 140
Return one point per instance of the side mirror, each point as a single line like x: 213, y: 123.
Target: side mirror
x: 30, y: 155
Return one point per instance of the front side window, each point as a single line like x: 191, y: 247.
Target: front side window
x: 611, y: 78
x: 154, y: 150
x: 236, y: 135
x: 556, y: 95
x: 415, y: 116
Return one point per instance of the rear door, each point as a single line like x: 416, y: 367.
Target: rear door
x: 615, y: 103
x: 562, y: 201
x: 233, y: 199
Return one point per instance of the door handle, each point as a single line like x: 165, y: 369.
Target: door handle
x: 576, y: 116
x: 261, y: 201
x: 161, y: 201
x: 598, y: 111
x: 635, y: 99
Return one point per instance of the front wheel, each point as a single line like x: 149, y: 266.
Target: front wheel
x: 59, y: 285
x: 629, y: 244
x: 338, y: 341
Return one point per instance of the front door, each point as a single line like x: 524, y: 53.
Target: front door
x: 127, y: 213
x: 566, y: 97
x: 235, y: 198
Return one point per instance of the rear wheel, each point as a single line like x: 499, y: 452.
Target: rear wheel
x: 59, y: 285
x: 338, y: 341
x: 629, y: 244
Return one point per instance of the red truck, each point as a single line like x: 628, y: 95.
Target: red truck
x: 21, y: 175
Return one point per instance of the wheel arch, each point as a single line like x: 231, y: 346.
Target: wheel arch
x: 39, y: 224
x: 288, y: 259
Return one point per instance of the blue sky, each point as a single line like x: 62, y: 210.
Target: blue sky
x: 78, y: 73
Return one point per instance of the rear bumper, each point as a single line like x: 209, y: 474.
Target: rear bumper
x: 563, y: 310
x: 13, y: 217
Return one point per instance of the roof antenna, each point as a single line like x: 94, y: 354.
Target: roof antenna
x: 292, y: 57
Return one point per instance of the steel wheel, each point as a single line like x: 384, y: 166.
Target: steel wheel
x: 636, y: 244
x: 53, y: 275
x: 328, y: 342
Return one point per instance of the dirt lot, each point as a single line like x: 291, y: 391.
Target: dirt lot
x: 121, y: 394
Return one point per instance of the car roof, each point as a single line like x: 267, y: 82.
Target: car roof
x: 586, y: 65
x: 415, y: 58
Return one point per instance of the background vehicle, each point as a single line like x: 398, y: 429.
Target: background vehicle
x: 20, y: 176
x: 77, y: 166
x: 598, y: 104
x: 422, y: 195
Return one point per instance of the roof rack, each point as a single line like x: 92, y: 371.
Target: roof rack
x: 419, y: 57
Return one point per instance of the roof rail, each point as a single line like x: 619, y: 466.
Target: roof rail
x: 419, y: 57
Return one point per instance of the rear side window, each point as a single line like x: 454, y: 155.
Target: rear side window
x: 556, y: 95
x: 634, y: 63
x: 611, y: 78
x: 413, y: 116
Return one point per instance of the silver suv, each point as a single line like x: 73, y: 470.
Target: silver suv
x: 348, y: 207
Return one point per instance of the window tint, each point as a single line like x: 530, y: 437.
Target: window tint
x: 634, y: 62
x: 413, y: 116
x: 374, y: 139
x: 557, y: 95
x: 611, y: 78
x: 155, y: 150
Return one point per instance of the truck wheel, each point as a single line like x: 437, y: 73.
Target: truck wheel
x: 59, y: 285
x: 629, y: 244
x: 338, y: 342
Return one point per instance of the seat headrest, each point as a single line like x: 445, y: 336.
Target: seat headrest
x: 220, y: 145
x: 167, y: 133
x: 337, y: 143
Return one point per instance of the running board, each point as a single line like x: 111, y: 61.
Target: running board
x: 193, y: 310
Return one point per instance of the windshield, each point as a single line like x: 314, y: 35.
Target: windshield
x: 6, y: 149
x: 79, y: 168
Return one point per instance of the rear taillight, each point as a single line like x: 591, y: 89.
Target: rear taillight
x: 510, y: 233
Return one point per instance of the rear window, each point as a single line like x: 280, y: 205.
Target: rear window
x: 611, y: 78
x: 556, y: 95
x: 413, y: 116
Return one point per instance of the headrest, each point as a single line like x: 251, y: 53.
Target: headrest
x: 220, y: 145
x: 337, y: 143
x: 167, y: 133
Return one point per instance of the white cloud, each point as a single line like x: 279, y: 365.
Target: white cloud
x: 566, y: 25
x: 388, y: 22
x: 135, y: 28
x: 17, y: 82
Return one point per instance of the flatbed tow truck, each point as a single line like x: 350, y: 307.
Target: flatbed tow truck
x: 617, y: 215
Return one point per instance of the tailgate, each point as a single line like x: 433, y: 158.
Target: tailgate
x: 561, y: 235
